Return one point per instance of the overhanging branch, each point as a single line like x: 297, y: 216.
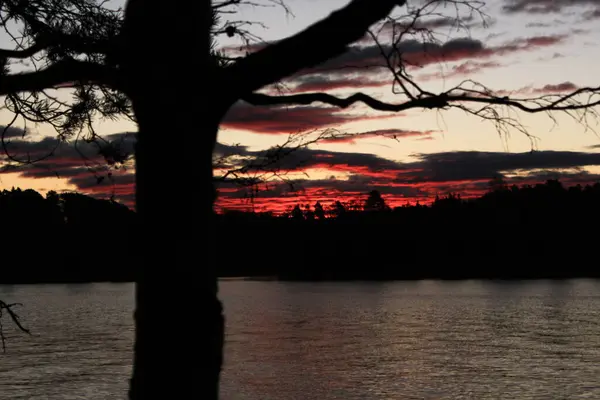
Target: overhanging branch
x: 321, y: 41
x: 23, y: 53
x: 439, y: 101
x: 70, y: 42
x: 60, y: 74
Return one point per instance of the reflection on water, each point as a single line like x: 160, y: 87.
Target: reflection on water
x: 421, y: 340
x: 80, y: 346
x: 400, y: 340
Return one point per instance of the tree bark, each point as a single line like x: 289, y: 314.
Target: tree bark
x: 178, y: 317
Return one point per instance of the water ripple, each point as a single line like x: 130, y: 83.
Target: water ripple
x: 288, y: 341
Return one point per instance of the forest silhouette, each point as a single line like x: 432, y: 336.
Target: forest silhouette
x: 510, y: 232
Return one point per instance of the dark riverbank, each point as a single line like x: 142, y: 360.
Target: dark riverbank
x: 544, y: 232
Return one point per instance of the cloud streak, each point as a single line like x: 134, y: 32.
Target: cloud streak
x: 11, y: 132
x: 346, y: 176
x: 546, y: 6
x: 82, y: 164
x: 363, y: 67
x: 289, y: 119
x: 397, y: 134
x: 329, y: 175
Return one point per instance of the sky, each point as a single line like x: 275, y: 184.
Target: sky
x: 526, y: 48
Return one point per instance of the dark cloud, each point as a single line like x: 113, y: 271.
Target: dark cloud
x: 120, y: 186
x: 287, y: 119
x: 592, y: 14
x: 363, y: 66
x: 13, y: 132
x: 225, y: 150
x: 366, y: 163
x: 539, y: 25
x: 431, y: 23
x: 339, y: 174
x: 419, y: 53
x: 473, y: 165
x: 353, y: 186
x: 552, y: 88
x: 325, y: 82
x: 413, y: 52
x: 82, y: 164
x: 435, y: 167
x: 70, y: 153
x: 468, y: 173
x: 387, y: 133
x: 561, y: 87
x: 545, y: 6
x: 465, y: 69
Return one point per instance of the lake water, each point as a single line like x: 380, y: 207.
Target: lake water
x: 288, y: 341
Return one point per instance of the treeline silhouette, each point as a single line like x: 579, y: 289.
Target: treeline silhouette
x: 531, y: 231
x: 67, y: 237
x: 540, y: 231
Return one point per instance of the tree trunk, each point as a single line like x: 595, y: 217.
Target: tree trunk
x: 178, y: 317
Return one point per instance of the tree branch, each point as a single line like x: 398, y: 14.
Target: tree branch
x: 14, y: 317
x: 71, y: 42
x: 321, y: 41
x: 62, y: 73
x: 442, y: 100
x: 23, y: 53
x: 259, y: 99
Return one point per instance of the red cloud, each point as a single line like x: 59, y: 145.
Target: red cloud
x: 422, y: 54
x: 466, y: 173
x: 341, y: 73
x: 334, y: 74
x: 323, y: 83
x: 278, y: 120
x: 395, y: 195
x: 472, y: 67
x: 467, y: 68
x: 561, y: 87
x: 121, y: 187
x: 429, y: 24
x: 544, y: 6
x: 388, y: 133
x: 546, y: 89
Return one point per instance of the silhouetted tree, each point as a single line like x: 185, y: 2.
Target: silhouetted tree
x: 375, y: 202
x: 338, y: 209
x: 309, y: 215
x: 116, y: 62
x: 497, y: 183
x: 319, y: 212
x: 297, y: 213
x: 447, y: 239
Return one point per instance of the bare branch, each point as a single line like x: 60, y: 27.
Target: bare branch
x: 442, y: 100
x: 74, y: 43
x: 461, y: 97
x: 334, y: 34
x: 15, y: 319
x: 259, y: 99
x: 21, y: 54
x: 257, y: 170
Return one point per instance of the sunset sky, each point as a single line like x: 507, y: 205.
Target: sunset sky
x: 529, y: 48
